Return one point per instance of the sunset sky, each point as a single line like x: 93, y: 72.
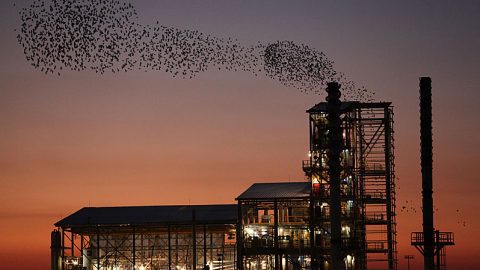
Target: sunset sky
x: 145, y: 138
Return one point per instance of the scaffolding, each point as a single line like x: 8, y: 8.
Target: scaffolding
x: 281, y: 226
x: 273, y: 228
x: 367, y: 186
x: 169, y: 242
x: 440, y: 241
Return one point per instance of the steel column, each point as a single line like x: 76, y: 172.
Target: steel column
x: 388, y: 188
x: 194, y: 239
x: 98, y: 248
x: 239, y: 236
x: 204, y: 246
x: 334, y: 151
x: 427, y: 167
x: 169, y: 248
x: 133, y: 247
x: 275, y: 232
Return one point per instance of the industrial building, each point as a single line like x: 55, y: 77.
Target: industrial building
x: 286, y: 225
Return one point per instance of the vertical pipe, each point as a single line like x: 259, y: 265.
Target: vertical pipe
x: 134, y: 249
x: 334, y: 151
x: 427, y: 166
x: 55, y: 248
x: 204, y: 246
x: 275, y: 232
x: 361, y: 150
x: 388, y: 188
x: 223, y: 251
x: 98, y: 248
x: 72, y: 236
x: 176, y: 248
x: 194, y: 240
x: 169, y: 248
x: 313, y: 258
x: 438, y: 247
x: 239, y: 237
x: 62, y: 250
x: 81, y: 249
x: 211, y: 247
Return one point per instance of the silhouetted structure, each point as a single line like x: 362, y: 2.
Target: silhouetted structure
x: 334, y: 143
x: 343, y: 217
x: 408, y: 258
x: 367, y: 186
x: 429, y: 242
x: 146, y: 237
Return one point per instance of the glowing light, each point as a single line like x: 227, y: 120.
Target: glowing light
x: 346, y: 230
x: 349, y: 262
x: 251, y: 232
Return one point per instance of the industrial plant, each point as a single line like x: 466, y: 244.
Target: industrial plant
x: 341, y: 217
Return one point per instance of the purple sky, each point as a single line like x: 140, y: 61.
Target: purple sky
x: 146, y: 138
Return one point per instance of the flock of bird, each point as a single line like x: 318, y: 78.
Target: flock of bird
x: 105, y: 36
x: 409, y: 207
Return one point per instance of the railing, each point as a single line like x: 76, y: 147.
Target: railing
x: 375, y: 216
x: 283, y: 242
x: 269, y: 220
x: 374, y: 195
x: 374, y: 167
x: 306, y: 164
x: 445, y: 238
x: 373, y: 245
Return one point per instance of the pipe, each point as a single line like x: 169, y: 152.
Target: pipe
x: 55, y: 250
x: 427, y: 167
x: 334, y: 151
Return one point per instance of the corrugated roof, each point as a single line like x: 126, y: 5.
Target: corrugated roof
x: 151, y: 215
x: 285, y: 190
x: 348, y: 105
x: 322, y: 106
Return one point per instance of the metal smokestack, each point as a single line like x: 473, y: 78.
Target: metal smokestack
x: 427, y: 167
x: 334, y: 169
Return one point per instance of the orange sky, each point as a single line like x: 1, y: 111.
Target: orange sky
x: 83, y: 139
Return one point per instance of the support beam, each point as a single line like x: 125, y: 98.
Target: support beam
x: 388, y: 188
x: 55, y: 250
x: 98, y: 248
x: 194, y: 240
x: 72, y: 243
x: 239, y: 237
x: 63, y: 249
x: 275, y: 233
x: 134, y: 248
x: 81, y: 248
x: 169, y: 248
x: 204, y: 246
x: 314, y: 259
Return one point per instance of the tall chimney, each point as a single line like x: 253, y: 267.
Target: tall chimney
x: 427, y: 166
x: 334, y: 169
